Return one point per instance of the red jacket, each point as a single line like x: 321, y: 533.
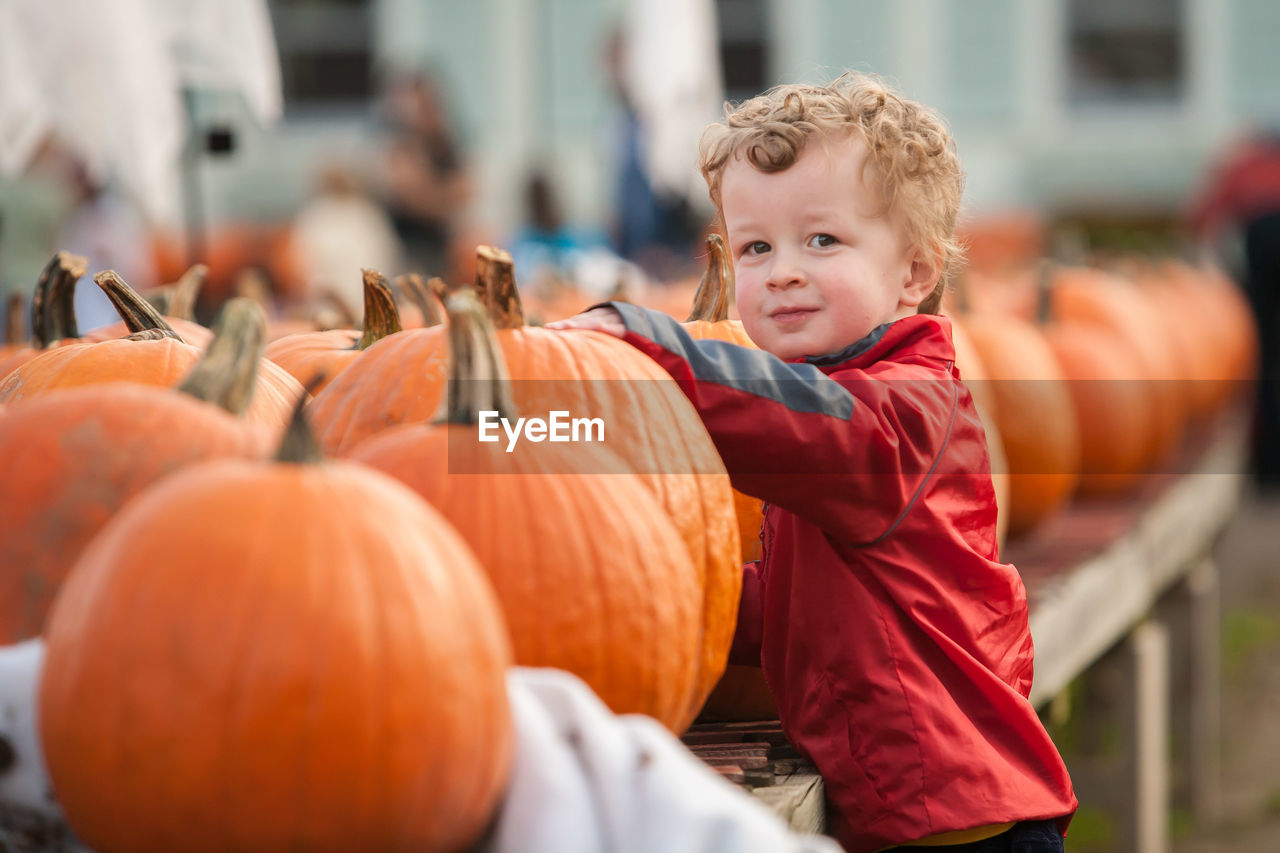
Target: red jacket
x: 895, y: 644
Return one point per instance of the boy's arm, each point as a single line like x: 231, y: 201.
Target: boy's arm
x: 848, y: 457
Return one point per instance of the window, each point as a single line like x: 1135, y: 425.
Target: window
x: 325, y: 51
x: 1125, y: 51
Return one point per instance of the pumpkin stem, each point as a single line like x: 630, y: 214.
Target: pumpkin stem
x: 419, y: 293
x: 252, y: 284
x: 13, y: 327
x: 298, y: 446
x: 711, y: 302
x: 159, y: 298
x: 478, y: 379
x: 137, y: 313
x: 496, y: 284
x: 381, y: 317
x: 53, y: 307
x: 1044, y: 291
x: 438, y: 288
x: 182, y: 298
x: 343, y: 316
x: 227, y: 374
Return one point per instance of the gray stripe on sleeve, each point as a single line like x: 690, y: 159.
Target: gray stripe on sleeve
x: 800, y: 387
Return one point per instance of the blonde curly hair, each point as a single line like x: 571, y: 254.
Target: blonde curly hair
x: 910, y: 148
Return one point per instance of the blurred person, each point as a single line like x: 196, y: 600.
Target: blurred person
x: 656, y: 230
x: 338, y: 233
x: 1240, y: 200
x: 546, y: 245
x: 428, y: 185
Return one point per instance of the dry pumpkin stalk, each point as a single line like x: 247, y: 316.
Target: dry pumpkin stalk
x: 298, y: 445
x: 252, y: 284
x: 496, y: 284
x: 137, y: 313
x: 13, y: 328
x: 159, y: 297
x: 335, y: 311
x: 381, y: 317
x: 422, y: 296
x: 185, y: 291
x: 478, y: 378
x: 53, y: 313
x: 439, y: 289
x: 711, y: 302
x: 227, y: 373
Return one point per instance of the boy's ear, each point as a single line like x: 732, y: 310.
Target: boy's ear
x: 925, y: 270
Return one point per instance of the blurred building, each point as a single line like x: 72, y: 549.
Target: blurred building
x: 1061, y: 106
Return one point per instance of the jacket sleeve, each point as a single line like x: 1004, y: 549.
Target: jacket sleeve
x: 850, y: 454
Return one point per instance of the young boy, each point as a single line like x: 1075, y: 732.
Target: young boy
x: 895, y: 644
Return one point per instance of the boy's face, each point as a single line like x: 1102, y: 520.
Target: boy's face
x: 818, y: 261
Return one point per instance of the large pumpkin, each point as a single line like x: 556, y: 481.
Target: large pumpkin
x: 73, y: 458
x: 154, y: 355
x: 590, y: 571
x: 277, y: 655
x: 650, y: 425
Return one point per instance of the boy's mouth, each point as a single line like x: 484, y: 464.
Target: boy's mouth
x: 785, y: 316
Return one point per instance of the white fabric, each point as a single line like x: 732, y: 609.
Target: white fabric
x: 672, y: 73
x: 106, y: 77
x: 587, y: 781
x: 26, y: 782
x: 583, y: 779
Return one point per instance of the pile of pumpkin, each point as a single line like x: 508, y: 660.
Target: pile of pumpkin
x: 286, y: 586
x: 1093, y: 377
x: 279, y: 594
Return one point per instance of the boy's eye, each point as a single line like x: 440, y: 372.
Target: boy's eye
x: 756, y: 247
x: 819, y: 241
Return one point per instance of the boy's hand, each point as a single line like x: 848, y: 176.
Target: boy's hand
x: 603, y: 319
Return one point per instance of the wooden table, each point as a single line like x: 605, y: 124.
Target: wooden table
x: 1127, y: 579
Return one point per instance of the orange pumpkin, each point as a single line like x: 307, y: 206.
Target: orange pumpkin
x: 273, y: 655
x: 590, y: 571
x: 1126, y: 313
x: 153, y: 355
x: 651, y: 425
x: 1114, y: 409
x: 1034, y: 414
x: 316, y: 358
x: 73, y: 458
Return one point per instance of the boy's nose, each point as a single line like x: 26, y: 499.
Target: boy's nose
x: 785, y: 272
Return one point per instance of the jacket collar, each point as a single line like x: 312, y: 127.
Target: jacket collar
x: 926, y: 335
